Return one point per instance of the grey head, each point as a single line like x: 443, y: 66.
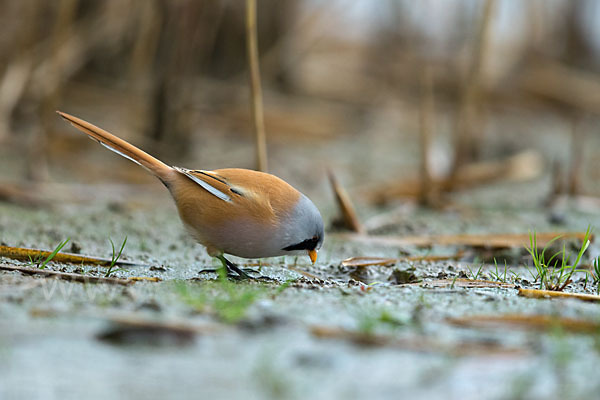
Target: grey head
x: 303, y: 228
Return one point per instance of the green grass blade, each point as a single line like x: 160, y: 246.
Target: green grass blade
x: 54, y: 253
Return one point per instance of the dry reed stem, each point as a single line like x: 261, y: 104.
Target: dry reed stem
x: 304, y: 273
x: 67, y: 276
x: 349, y: 216
x: 31, y: 69
x: 463, y: 283
x: 24, y: 254
x: 546, y: 294
x: 490, y: 240
x: 384, y: 262
x: 255, y: 86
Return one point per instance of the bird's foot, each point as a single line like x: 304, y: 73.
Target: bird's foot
x: 240, y: 274
x: 234, y: 272
x: 230, y: 273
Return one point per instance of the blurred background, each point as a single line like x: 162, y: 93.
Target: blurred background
x: 387, y: 91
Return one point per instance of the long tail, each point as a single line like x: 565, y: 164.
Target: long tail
x: 121, y: 147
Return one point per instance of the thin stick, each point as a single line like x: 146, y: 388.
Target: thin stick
x: 490, y: 240
x: 461, y: 283
x: 546, y: 294
x: 386, y: 262
x: 25, y: 254
x: 304, y: 273
x: 255, y: 86
x: 349, y: 216
x: 67, y: 276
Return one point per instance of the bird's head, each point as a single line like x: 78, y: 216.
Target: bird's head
x: 304, y: 229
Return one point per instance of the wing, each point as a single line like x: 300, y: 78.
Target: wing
x: 213, y: 185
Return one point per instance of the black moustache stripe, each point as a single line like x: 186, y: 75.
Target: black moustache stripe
x: 308, y: 244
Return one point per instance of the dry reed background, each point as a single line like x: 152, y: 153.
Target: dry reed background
x: 168, y: 73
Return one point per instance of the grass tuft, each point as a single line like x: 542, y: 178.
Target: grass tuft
x: 115, y: 257
x: 555, y: 272
x: 501, y: 275
x: 475, y: 275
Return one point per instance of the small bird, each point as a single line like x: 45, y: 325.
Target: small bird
x: 235, y: 211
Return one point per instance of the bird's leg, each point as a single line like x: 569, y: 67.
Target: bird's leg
x: 235, y: 272
x: 231, y: 267
x: 227, y: 267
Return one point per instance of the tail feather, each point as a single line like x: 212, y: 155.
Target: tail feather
x: 121, y: 147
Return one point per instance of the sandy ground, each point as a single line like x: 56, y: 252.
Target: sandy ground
x: 62, y: 340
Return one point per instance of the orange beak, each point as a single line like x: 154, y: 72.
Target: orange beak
x: 313, y: 256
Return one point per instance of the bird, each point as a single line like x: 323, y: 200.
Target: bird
x: 233, y: 211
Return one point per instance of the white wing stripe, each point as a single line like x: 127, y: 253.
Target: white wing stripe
x: 210, y: 189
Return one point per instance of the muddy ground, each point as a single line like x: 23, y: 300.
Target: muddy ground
x: 333, y: 332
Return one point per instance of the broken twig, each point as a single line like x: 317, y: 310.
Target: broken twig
x: 385, y: 262
x: 25, y: 254
x: 506, y: 240
x: 67, y: 276
x: 348, y: 214
x: 547, y: 294
x: 465, y: 283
